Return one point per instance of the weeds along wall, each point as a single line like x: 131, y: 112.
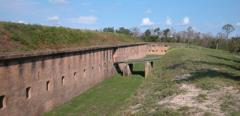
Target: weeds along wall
x: 31, y: 84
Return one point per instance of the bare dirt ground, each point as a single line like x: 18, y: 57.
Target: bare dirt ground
x: 195, y: 101
x: 199, y: 101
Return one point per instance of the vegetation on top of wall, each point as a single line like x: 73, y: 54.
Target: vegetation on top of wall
x: 24, y: 37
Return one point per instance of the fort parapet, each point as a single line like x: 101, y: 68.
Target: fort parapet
x: 34, y: 83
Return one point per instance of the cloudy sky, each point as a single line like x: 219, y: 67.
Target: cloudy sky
x: 202, y: 15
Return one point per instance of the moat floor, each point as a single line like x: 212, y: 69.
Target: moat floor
x: 186, y: 81
x: 104, y: 99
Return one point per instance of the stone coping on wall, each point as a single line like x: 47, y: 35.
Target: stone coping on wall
x: 63, y: 51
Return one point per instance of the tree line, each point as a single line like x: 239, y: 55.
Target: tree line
x: 221, y: 40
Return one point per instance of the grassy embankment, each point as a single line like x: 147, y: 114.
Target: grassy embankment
x: 16, y: 37
x: 186, y: 81
x: 190, y: 81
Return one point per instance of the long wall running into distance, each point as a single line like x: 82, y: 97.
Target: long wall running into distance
x: 34, y: 83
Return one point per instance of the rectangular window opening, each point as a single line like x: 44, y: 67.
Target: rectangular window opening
x: 63, y: 80
x: 48, y: 85
x: 2, y: 102
x: 28, y: 92
x: 74, y: 75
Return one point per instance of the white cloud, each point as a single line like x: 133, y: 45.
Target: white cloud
x: 58, y: 1
x: 168, y: 21
x: 185, y: 21
x: 20, y: 21
x: 53, y: 19
x: 85, y: 20
x: 146, y: 22
x: 148, y: 11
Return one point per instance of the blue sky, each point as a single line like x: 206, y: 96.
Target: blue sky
x: 202, y: 15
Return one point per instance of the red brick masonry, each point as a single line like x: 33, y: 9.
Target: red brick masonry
x: 34, y: 83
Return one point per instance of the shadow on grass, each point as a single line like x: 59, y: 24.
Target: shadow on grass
x: 217, y: 64
x: 175, y: 66
x: 182, y: 65
x: 210, y: 73
x: 140, y: 73
x: 226, y: 59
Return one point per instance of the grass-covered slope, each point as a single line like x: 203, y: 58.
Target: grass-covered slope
x: 188, y: 82
x: 16, y: 37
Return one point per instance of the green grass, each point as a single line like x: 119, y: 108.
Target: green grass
x: 231, y: 105
x: 103, y: 99
x: 21, y: 37
x: 209, y: 69
x: 166, y: 112
x: 201, y: 97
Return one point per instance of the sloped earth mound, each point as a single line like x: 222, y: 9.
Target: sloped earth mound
x: 21, y: 38
x: 6, y: 45
x: 190, y: 82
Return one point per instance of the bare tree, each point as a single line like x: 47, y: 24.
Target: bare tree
x: 228, y: 28
x: 190, y: 34
x: 220, y: 36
